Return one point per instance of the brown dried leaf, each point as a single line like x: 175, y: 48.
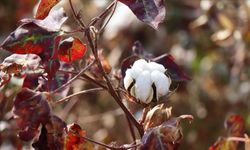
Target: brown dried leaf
x: 157, y: 116
x: 164, y: 137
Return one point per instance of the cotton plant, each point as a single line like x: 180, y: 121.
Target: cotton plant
x: 147, y: 81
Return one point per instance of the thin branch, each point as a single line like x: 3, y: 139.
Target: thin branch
x: 73, y: 79
x: 104, y: 13
x: 85, y: 77
x: 105, y: 145
x: 79, y: 93
x: 93, y: 81
x: 95, y: 142
x: 111, y: 15
x: 76, y: 16
x: 132, y: 132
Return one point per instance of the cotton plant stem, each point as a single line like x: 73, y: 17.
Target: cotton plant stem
x: 110, y: 86
x: 93, y: 46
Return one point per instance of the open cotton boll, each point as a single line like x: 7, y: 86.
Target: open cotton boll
x: 127, y: 81
x: 146, y: 81
x: 140, y: 64
x: 155, y: 66
x: 134, y: 73
x: 143, y: 86
x: 161, y: 81
x: 130, y: 76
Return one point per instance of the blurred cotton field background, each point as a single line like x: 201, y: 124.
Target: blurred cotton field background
x: 210, y: 39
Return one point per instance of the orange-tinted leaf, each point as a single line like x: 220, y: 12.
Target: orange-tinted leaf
x: 74, y: 140
x: 71, y: 49
x: 44, y: 8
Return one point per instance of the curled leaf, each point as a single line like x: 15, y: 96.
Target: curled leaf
x: 71, y: 49
x: 156, y: 116
x: 151, y: 12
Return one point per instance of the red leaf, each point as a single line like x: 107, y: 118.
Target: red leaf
x: 36, y: 36
x: 71, y: 50
x: 151, y: 12
x: 44, y: 8
x: 30, y: 109
x: 74, y: 139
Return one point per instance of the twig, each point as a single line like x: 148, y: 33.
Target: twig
x: 111, y: 15
x: 94, y: 21
x: 105, y: 145
x: 73, y: 79
x: 79, y: 93
x: 85, y: 77
x: 76, y: 16
x: 93, y: 81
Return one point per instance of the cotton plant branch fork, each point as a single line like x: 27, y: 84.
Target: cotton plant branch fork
x: 92, y: 37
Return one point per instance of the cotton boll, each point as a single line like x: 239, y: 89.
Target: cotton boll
x: 155, y: 66
x: 140, y: 64
x: 161, y: 81
x: 143, y: 86
x: 127, y: 81
x: 134, y: 73
x: 150, y: 97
